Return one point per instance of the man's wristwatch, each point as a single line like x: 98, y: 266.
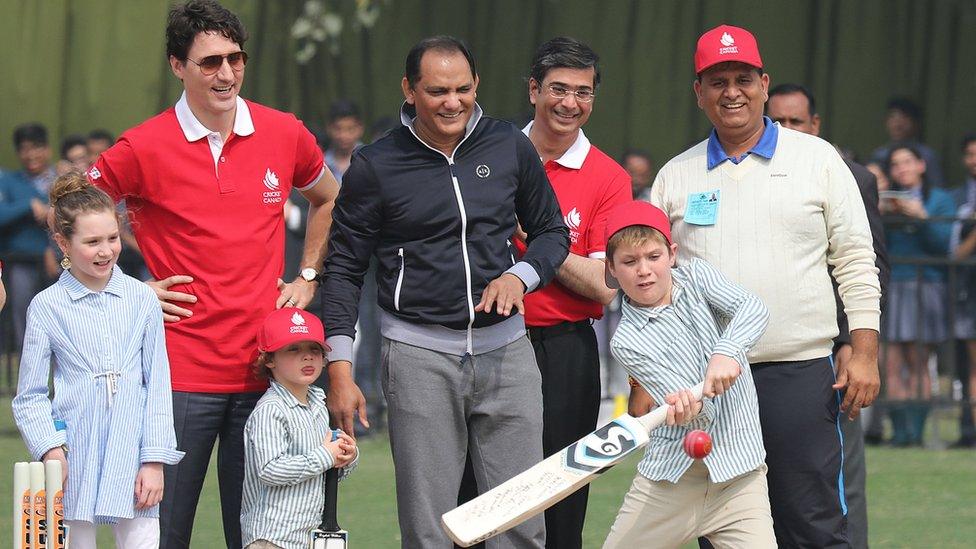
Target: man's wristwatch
x: 308, y: 274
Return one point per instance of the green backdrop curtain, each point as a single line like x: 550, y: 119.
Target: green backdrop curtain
x: 75, y: 65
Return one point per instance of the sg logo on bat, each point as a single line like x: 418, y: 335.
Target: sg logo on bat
x: 605, y: 446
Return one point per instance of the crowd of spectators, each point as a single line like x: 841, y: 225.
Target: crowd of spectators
x: 930, y: 305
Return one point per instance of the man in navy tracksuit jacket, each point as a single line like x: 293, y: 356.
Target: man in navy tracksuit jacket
x: 436, y: 201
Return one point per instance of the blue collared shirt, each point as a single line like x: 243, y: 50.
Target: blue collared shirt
x: 764, y: 148
x: 111, y: 387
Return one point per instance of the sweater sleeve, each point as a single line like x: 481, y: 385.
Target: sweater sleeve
x: 850, y: 249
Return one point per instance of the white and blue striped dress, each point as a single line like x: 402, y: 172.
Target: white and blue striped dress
x: 99, y: 341
x: 284, y: 468
x: 667, y: 349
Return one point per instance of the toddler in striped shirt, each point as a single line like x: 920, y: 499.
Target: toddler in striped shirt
x: 288, y: 445
x: 681, y: 325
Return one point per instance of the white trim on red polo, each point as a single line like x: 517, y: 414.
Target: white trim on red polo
x: 575, y: 155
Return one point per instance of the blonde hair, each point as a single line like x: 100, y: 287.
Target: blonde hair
x: 635, y: 235
x: 71, y: 195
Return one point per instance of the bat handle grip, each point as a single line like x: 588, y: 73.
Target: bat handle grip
x: 330, y: 521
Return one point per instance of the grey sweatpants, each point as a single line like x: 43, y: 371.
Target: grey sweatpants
x: 439, y: 411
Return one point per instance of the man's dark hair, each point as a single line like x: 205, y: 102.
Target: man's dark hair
x: 907, y: 107
x: 70, y: 142
x: 442, y: 43
x: 343, y: 108
x: 564, y: 52
x: 196, y: 16
x: 101, y: 135
x: 639, y: 153
x: 32, y: 132
x: 786, y: 89
x: 967, y: 140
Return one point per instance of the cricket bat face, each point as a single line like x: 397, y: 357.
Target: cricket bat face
x: 329, y: 540
x: 545, y: 483
x: 549, y: 481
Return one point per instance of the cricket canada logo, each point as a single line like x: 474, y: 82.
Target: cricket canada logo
x: 729, y: 44
x: 273, y: 194
x: 298, y: 324
x: 604, y: 447
x: 573, y: 220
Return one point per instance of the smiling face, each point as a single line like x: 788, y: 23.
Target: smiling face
x: 211, y: 97
x: 297, y: 365
x: 907, y: 170
x: 732, y: 96
x: 444, y: 97
x: 644, y: 271
x: 93, y: 248
x: 567, y: 115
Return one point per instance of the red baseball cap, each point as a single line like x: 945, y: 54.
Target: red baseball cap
x: 726, y: 43
x: 635, y: 212
x: 289, y: 325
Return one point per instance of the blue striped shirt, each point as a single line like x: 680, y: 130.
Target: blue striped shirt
x: 284, y: 468
x: 667, y: 349
x: 111, y: 387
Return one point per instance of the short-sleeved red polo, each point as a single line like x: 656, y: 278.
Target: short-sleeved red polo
x: 586, y: 191
x: 217, y: 220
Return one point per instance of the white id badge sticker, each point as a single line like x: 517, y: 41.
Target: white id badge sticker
x: 702, y: 208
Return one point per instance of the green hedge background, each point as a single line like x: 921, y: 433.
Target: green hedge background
x: 79, y: 64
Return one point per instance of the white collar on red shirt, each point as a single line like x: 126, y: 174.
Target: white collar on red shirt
x: 194, y: 130
x: 575, y: 155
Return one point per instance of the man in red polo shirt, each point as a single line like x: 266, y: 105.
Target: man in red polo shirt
x: 588, y: 183
x: 206, y: 182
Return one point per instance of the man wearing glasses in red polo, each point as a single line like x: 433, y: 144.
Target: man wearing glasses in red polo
x: 206, y: 183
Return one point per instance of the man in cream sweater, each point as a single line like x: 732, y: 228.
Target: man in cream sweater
x: 772, y: 208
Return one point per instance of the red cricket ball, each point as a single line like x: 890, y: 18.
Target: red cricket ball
x: 698, y: 444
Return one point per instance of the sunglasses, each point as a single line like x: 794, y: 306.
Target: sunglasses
x: 210, y: 64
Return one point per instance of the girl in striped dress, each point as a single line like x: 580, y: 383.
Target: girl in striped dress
x: 101, y: 334
x: 288, y: 445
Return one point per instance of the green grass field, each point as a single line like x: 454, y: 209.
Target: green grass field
x: 917, y: 498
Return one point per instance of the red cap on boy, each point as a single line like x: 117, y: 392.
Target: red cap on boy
x: 726, y: 43
x: 290, y: 325
x: 636, y: 212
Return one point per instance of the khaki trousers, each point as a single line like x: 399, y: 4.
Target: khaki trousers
x: 732, y: 514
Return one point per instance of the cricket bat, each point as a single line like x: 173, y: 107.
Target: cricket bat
x: 329, y: 535
x: 549, y: 481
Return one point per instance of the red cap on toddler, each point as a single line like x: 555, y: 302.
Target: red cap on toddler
x: 290, y: 325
